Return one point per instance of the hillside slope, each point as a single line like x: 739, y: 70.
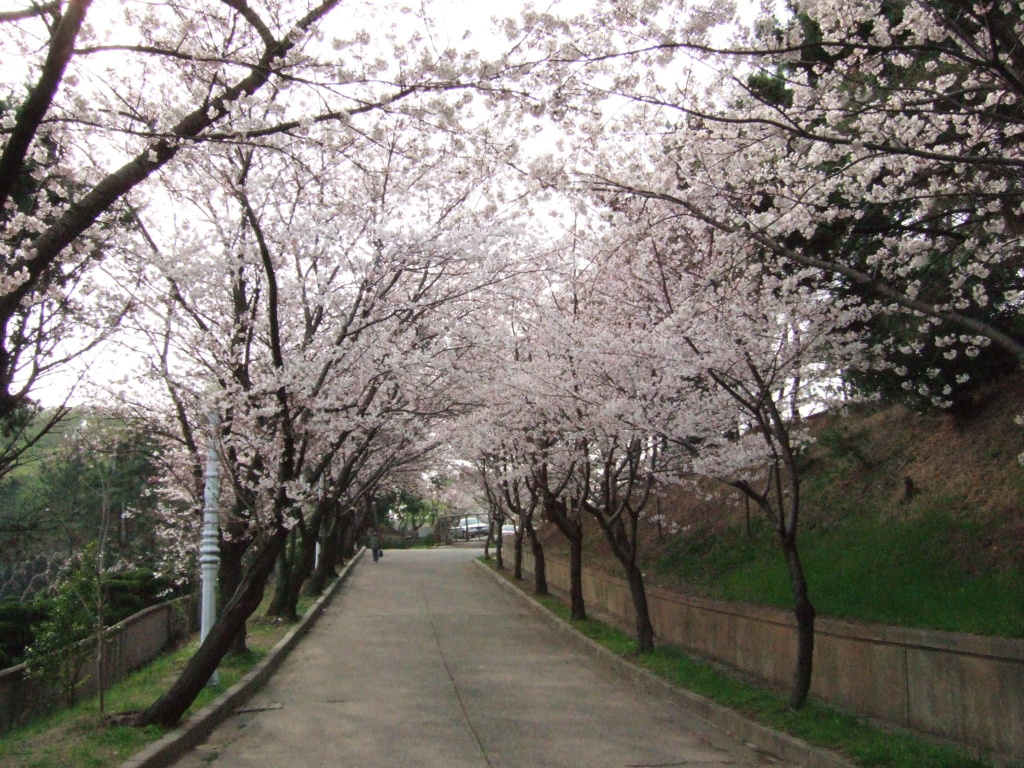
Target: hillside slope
x: 908, y: 519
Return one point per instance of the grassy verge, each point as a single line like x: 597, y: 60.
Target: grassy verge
x: 77, y: 737
x: 861, y: 741
x: 906, y: 519
x: 909, y: 573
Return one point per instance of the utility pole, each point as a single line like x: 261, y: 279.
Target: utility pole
x: 209, y: 553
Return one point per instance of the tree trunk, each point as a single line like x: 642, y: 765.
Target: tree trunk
x: 572, y: 529
x: 805, y: 614
x: 302, y: 565
x: 168, y: 709
x: 337, y: 544
x: 517, y: 555
x: 644, y: 627
x: 229, y: 577
x: 498, y: 560
x: 540, y: 575
x: 283, y: 580
x: 623, y: 547
x: 326, y: 566
x: 578, y: 607
x: 348, y: 549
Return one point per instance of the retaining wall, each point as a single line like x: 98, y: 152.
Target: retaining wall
x: 129, y: 645
x: 956, y: 686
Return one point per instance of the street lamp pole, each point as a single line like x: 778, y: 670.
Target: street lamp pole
x: 209, y: 557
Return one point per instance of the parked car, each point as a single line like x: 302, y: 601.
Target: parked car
x: 468, y: 528
x: 508, y: 530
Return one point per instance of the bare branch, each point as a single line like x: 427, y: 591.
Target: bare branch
x: 29, y: 13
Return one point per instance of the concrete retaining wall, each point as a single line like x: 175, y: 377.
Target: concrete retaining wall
x: 129, y: 645
x: 957, y: 686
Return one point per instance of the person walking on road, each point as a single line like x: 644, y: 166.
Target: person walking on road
x: 375, y: 544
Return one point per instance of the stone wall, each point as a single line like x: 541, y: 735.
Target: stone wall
x: 957, y: 686
x: 129, y: 645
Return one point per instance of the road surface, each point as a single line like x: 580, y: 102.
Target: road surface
x: 422, y: 659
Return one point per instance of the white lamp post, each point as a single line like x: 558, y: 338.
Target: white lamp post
x: 209, y: 557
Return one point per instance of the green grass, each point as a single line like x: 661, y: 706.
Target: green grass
x: 904, y: 572
x: 77, y: 738
x: 861, y: 741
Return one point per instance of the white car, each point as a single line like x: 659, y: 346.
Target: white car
x: 468, y: 528
x: 508, y: 530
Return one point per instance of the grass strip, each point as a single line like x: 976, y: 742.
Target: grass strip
x: 860, y: 740
x: 79, y: 738
x: 927, y: 572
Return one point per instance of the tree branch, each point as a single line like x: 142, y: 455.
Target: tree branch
x: 28, y: 13
x: 38, y: 103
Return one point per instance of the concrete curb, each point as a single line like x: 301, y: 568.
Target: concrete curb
x: 729, y: 729
x: 194, y: 731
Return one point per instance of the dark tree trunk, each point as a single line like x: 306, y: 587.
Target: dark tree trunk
x: 348, y: 549
x: 490, y: 538
x: 326, y: 566
x: 283, y: 581
x: 302, y: 565
x: 570, y: 527
x: 644, y: 627
x: 517, y: 554
x: 499, y: 561
x: 621, y: 537
x: 577, y: 605
x: 345, y: 522
x: 168, y: 709
x: 540, y: 574
x: 805, y: 615
x: 232, y: 569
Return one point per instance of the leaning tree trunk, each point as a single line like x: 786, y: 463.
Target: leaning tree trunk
x: 540, y: 574
x: 644, y: 627
x: 805, y: 614
x: 168, y: 709
x: 623, y: 546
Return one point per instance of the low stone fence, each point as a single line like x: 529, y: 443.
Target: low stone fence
x: 129, y: 645
x: 966, y: 688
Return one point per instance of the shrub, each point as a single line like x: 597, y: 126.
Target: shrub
x: 17, y: 620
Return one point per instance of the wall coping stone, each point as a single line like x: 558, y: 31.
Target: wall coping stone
x: 984, y: 646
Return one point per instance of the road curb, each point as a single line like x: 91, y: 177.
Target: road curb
x: 729, y: 729
x: 192, y: 732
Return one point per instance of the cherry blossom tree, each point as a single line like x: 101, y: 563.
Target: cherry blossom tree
x: 334, y: 276
x: 561, y: 489
x: 850, y: 153
x: 554, y: 436
x: 119, y: 97
x: 876, y: 142
x: 511, y: 497
x: 733, y: 353
x: 495, y: 431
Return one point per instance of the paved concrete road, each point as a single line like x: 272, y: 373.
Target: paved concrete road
x: 423, y: 660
